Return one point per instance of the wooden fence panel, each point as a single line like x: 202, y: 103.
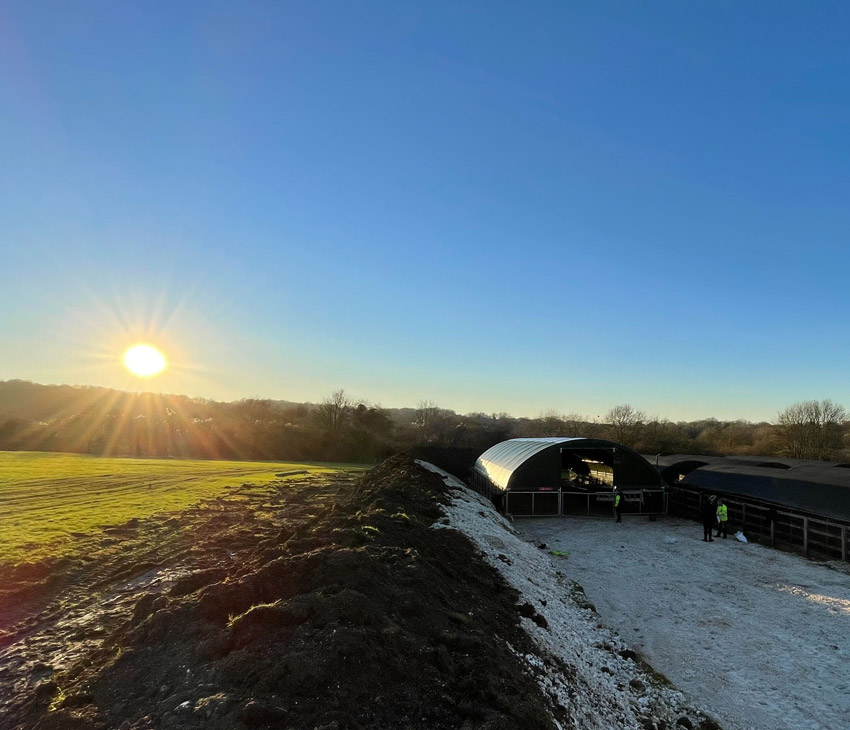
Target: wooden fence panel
x: 812, y: 536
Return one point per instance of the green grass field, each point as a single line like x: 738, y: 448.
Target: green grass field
x: 44, y: 497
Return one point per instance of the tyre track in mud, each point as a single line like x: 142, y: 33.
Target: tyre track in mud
x: 55, y: 613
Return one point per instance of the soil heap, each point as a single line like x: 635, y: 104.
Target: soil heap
x: 326, y: 603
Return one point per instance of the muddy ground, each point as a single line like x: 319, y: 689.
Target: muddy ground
x: 314, y: 602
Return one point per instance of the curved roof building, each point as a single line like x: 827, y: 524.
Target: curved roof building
x: 534, y: 464
x: 815, y: 487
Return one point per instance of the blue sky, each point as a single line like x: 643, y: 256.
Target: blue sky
x: 494, y: 206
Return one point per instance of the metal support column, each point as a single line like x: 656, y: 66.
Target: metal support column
x: 806, y: 536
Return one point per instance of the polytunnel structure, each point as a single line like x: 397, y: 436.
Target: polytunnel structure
x: 559, y: 475
x: 820, y: 488
x: 795, y: 503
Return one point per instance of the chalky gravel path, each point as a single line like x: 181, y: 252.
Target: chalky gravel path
x: 759, y: 637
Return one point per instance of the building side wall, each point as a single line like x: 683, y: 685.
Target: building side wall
x: 541, y: 471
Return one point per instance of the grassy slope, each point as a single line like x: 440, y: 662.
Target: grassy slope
x: 44, y: 497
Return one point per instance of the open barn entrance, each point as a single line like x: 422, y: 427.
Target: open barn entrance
x: 588, y: 476
x: 568, y: 475
x: 587, y: 469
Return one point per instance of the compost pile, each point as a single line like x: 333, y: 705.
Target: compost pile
x: 318, y: 601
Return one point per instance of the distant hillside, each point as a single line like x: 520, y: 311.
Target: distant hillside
x: 35, y: 402
x: 89, y: 419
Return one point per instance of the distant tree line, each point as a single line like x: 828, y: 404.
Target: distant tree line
x: 342, y: 428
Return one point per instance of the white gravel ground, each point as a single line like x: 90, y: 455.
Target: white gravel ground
x: 578, y: 664
x: 759, y: 637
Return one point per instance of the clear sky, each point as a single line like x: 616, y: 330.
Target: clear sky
x: 494, y: 206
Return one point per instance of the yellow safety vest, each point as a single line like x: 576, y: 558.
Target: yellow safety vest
x: 617, y: 499
x: 722, y: 513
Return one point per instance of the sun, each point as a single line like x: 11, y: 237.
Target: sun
x: 144, y: 360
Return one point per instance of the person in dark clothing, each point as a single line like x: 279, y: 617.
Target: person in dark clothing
x: 618, y: 504
x: 771, y: 524
x: 708, y: 512
x: 771, y: 515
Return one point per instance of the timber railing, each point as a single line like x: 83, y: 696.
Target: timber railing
x: 646, y: 502
x: 811, y: 535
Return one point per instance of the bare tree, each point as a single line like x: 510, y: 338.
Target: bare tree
x: 425, y: 415
x: 256, y: 410
x: 575, y: 424
x: 657, y: 436
x: 625, y: 423
x: 436, y: 425
x: 334, y: 411
x: 811, y: 429
x: 551, y: 423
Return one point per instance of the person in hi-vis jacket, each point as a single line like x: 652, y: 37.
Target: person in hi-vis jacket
x: 722, y: 518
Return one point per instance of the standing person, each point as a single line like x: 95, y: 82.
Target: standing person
x: 722, y: 518
x: 708, y: 513
x: 618, y: 504
x: 771, y: 523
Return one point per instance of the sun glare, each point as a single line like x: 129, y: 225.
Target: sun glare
x: 144, y: 360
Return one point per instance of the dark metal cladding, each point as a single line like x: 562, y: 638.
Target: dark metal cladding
x: 815, y: 487
x: 529, y: 464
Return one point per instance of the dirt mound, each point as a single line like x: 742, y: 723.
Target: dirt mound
x: 333, y: 605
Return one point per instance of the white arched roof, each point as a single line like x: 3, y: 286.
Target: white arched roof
x: 500, y: 461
